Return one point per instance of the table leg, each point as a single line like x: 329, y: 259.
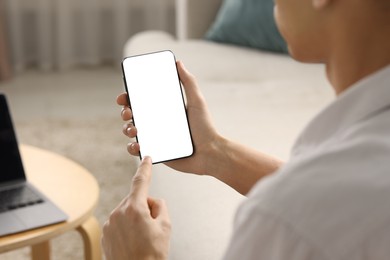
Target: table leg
x: 41, y: 251
x: 91, y: 234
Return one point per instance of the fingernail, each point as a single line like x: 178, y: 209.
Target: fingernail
x: 128, y: 130
x: 147, y: 159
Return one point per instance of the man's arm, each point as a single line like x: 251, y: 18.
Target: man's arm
x: 240, y: 166
x: 261, y: 235
x: 234, y: 164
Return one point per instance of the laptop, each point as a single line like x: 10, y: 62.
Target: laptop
x: 22, y: 206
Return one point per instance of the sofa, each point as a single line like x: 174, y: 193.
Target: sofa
x: 262, y: 99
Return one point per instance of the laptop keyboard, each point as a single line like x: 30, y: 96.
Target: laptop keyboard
x: 18, y: 197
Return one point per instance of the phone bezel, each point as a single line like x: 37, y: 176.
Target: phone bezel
x: 182, y: 98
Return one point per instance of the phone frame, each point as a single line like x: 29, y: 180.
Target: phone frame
x: 182, y: 98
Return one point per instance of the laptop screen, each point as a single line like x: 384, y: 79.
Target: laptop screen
x: 11, y: 167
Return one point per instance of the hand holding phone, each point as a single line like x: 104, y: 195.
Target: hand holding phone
x: 157, y: 103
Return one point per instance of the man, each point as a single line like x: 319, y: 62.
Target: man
x: 330, y: 201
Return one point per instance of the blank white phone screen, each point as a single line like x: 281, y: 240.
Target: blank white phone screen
x: 157, y: 103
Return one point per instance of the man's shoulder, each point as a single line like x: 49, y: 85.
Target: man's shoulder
x: 333, y: 192
x: 333, y: 195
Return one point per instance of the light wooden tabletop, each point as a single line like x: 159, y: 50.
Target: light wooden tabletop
x: 66, y: 183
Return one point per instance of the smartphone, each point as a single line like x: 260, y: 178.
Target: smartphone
x: 157, y: 102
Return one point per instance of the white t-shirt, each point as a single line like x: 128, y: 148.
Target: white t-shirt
x: 331, y: 201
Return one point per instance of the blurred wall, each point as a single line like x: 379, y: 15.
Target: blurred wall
x: 58, y: 34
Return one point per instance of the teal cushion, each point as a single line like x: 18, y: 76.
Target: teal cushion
x: 247, y: 23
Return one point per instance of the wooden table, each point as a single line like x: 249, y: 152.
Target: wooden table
x: 73, y: 189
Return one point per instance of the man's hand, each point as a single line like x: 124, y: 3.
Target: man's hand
x: 139, y: 228
x: 205, y: 137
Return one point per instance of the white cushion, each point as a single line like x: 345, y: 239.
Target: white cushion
x: 221, y: 62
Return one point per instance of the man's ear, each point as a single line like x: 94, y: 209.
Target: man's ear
x: 320, y: 4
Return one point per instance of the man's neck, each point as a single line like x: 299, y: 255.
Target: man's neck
x: 358, y: 53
